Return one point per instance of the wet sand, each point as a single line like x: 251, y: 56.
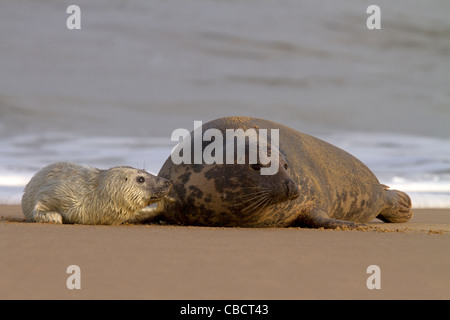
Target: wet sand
x: 172, y: 262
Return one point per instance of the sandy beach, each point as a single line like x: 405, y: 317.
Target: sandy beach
x: 173, y: 262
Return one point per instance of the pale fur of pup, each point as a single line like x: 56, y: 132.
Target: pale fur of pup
x: 65, y: 192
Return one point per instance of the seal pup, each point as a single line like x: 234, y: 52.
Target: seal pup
x: 317, y: 185
x: 65, y: 192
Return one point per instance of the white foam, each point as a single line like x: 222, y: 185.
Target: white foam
x: 11, y: 195
x: 11, y: 180
x: 425, y: 193
x: 427, y: 186
x: 430, y: 200
x: 419, y: 166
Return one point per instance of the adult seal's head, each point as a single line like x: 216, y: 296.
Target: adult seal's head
x: 316, y: 184
x: 239, y: 188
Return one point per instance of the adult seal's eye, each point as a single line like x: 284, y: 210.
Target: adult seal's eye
x: 256, y: 167
x: 140, y: 179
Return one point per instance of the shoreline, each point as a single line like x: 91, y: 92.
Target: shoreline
x: 176, y: 262
x: 431, y: 220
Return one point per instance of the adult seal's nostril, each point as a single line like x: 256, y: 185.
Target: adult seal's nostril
x: 167, y: 187
x: 293, y: 190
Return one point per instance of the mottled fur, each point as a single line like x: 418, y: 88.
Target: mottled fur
x: 330, y: 188
x: 65, y: 192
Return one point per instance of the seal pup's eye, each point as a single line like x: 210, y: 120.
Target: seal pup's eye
x: 256, y: 167
x: 286, y: 166
x: 140, y: 179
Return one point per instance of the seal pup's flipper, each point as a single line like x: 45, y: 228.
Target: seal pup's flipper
x: 151, y: 212
x: 318, y: 218
x: 148, y: 214
x: 42, y: 214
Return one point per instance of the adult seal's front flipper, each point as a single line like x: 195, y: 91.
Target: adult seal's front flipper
x: 318, y: 218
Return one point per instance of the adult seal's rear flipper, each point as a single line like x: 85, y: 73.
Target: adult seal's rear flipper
x: 398, y: 207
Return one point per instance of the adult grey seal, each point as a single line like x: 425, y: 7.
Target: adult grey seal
x: 317, y: 185
x: 65, y: 192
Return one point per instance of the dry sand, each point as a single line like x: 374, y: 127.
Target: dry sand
x: 168, y: 262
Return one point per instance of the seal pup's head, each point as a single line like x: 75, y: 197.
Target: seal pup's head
x: 132, y: 188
